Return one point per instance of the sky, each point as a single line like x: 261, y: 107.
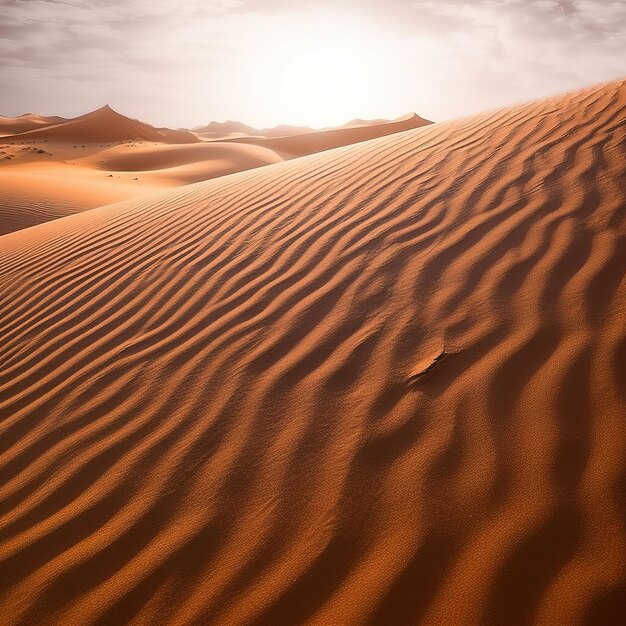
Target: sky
x: 182, y: 63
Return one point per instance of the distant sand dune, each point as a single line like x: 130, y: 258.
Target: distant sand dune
x: 224, y: 129
x: 187, y: 163
x: 239, y: 131
x: 225, y: 404
x: 28, y: 121
x: 105, y: 125
x: 295, y: 145
x: 68, y: 179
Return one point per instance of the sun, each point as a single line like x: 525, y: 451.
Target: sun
x: 319, y: 72
x: 324, y: 82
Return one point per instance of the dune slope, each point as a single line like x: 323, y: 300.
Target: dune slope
x: 28, y: 121
x: 32, y: 194
x: 105, y: 125
x: 185, y: 164
x: 295, y: 145
x: 20, y: 208
x: 381, y: 385
x: 36, y: 188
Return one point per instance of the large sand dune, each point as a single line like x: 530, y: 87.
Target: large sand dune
x: 384, y: 384
x: 104, y: 125
x: 28, y: 121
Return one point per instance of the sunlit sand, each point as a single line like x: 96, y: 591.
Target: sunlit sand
x: 372, y: 374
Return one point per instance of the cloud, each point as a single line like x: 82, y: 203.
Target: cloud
x: 102, y: 51
x: 519, y: 49
x: 177, y: 62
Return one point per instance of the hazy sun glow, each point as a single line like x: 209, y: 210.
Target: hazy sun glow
x: 270, y: 62
x: 321, y: 72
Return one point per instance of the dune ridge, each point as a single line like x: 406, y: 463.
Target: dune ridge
x: 226, y: 404
x: 296, y: 144
x: 105, y: 125
x: 27, y: 121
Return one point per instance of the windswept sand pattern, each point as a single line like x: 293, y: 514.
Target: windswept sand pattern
x: 17, y: 211
x: 205, y: 410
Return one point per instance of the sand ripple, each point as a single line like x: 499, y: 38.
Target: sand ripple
x: 204, y: 400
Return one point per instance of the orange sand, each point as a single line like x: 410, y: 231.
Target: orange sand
x: 384, y: 384
x: 99, y: 158
x: 26, y: 122
x: 104, y: 125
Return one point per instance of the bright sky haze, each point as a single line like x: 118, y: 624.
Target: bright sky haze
x: 266, y: 62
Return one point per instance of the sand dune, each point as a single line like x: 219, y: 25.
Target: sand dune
x: 28, y: 121
x: 385, y: 384
x: 35, y: 194
x: 237, y: 130
x: 46, y: 181
x: 60, y: 175
x: 104, y: 125
x: 224, y: 129
x: 186, y: 163
x: 295, y: 145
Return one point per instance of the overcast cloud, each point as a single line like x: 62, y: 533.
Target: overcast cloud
x: 185, y: 63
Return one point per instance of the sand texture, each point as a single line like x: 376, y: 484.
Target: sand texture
x: 45, y: 181
x: 69, y: 166
x: 35, y: 193
x: 384, y: 384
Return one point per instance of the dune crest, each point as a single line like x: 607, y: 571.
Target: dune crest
x: 104, y: 125
x: 225, y: 129
x: 205, y: 416
x: 27, y: 121
x: 329, y: 138
x: 289, y: 143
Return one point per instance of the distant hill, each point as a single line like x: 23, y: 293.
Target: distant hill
x: 26, y: 122
x: 107, y: 126
x: 225, y: 128
x: 237, y: 131
x: 318, y: 141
